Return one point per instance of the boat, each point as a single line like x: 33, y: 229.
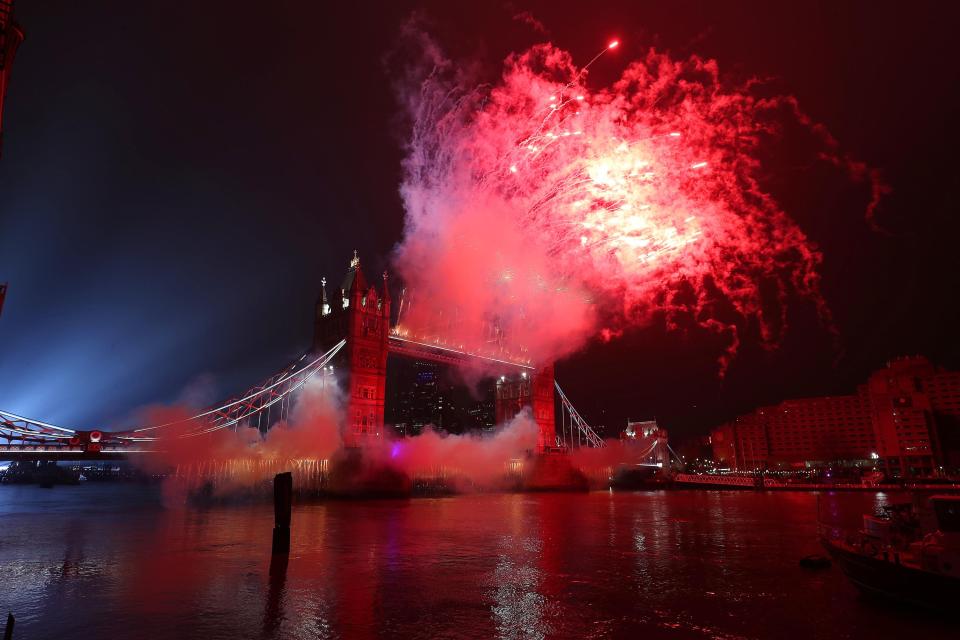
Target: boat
x: 907, y: 554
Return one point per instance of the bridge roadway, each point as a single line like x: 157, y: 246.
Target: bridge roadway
x: 28, y: 453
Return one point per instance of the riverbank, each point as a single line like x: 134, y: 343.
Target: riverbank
x: 705, y: 481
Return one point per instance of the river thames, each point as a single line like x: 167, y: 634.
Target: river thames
x: 110, y: 561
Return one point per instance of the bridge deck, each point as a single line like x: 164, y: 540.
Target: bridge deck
x: 25, y: 453
x: 411, y: 348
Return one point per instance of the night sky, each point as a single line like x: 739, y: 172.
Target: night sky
x: 176, y: 179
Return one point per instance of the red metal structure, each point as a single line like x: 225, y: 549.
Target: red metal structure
x: 11, y: 35
x: 361, y: 316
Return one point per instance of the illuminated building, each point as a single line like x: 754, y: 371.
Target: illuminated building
x: 11, y: 35
x: 422, y: 393
x: 740, y: 444
x: 651, y: 435
x: 916, y: 410
x: 482, y: 413
x: 416, y: 398
x: 906, y: 420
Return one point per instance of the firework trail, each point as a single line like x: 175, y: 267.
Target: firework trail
x: 558, y: 212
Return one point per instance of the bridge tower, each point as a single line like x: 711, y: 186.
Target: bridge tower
x: 529, y: 390
x: 542, y: 403
x: 11, y: 35
x: 362, y: 316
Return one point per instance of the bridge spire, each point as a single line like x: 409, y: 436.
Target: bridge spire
x: 354, y: 286
x: 324, y: 303
x: 386, y: 288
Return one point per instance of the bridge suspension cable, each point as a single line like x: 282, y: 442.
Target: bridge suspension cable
x: 276, y: 389
x: 14, y: 427
x: 570, y: 417
x: 253, y: 402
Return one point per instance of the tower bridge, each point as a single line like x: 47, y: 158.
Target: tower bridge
x: 361, y: 316
x: 353, y: 337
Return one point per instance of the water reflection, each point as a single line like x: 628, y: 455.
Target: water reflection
x: 668, y: 564
x: 274, y: 614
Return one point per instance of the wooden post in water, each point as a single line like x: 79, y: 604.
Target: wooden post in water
x: 282, y: 504
x: 8, y: 633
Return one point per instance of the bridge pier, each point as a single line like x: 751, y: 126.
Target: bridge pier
x: 282, y: 508
x: 542, y: 403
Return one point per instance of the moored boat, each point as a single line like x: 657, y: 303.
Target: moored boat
x: 908, y: 555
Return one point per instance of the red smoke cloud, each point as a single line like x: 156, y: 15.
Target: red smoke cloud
x: 228, y: 461
x: 239, y: 458
x: 481, y: 461
x: 314, y: 428
x: 541, y: 211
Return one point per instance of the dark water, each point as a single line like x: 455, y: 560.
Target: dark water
x: 111, y: 562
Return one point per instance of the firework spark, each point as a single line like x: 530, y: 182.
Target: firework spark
x: 559, y: 211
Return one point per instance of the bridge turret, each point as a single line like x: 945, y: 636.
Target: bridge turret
x: 354, y: 285
x: 323, y: 304
x: 385, y: 303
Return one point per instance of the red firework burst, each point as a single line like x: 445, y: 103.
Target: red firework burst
x: 555, y: 209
